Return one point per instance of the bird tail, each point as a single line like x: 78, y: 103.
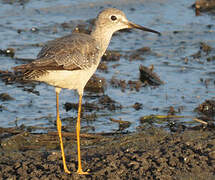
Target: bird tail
x: 20, y: 71
x: 25, y: 72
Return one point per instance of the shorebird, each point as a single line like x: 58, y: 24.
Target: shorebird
x: 70, y: 61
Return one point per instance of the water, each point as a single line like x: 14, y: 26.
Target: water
x: 182, y: 88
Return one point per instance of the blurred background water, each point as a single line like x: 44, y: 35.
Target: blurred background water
x: 182, y: 31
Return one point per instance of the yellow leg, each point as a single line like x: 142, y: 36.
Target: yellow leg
x: 60, y: 135
x: 78, y: 127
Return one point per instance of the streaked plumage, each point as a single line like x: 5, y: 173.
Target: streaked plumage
x: 73, y: 52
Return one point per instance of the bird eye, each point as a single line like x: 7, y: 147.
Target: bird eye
x: 113, y: 18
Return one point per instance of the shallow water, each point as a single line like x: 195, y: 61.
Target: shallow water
x: 182, y: 89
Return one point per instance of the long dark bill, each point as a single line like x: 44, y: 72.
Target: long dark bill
x: 132, y: 25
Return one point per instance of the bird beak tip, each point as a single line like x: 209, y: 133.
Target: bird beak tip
x: 136, y: 26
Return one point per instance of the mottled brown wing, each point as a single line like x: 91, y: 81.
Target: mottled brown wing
x: 76, y: 51
x: 72, y: 52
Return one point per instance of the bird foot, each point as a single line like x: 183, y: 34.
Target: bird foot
x: 67, y: 171
x: 80, y: 171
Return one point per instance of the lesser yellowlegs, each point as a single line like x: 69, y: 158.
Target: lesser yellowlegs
x: 70, y: 61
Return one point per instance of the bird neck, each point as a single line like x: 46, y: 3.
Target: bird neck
x: 103, y: 37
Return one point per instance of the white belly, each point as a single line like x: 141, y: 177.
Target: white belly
x: 76, y: 79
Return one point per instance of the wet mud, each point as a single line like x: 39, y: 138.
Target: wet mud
x: 150, y: 153
x: 202, y: 6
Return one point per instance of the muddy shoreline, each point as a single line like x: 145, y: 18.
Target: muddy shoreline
x: 150, y: 153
